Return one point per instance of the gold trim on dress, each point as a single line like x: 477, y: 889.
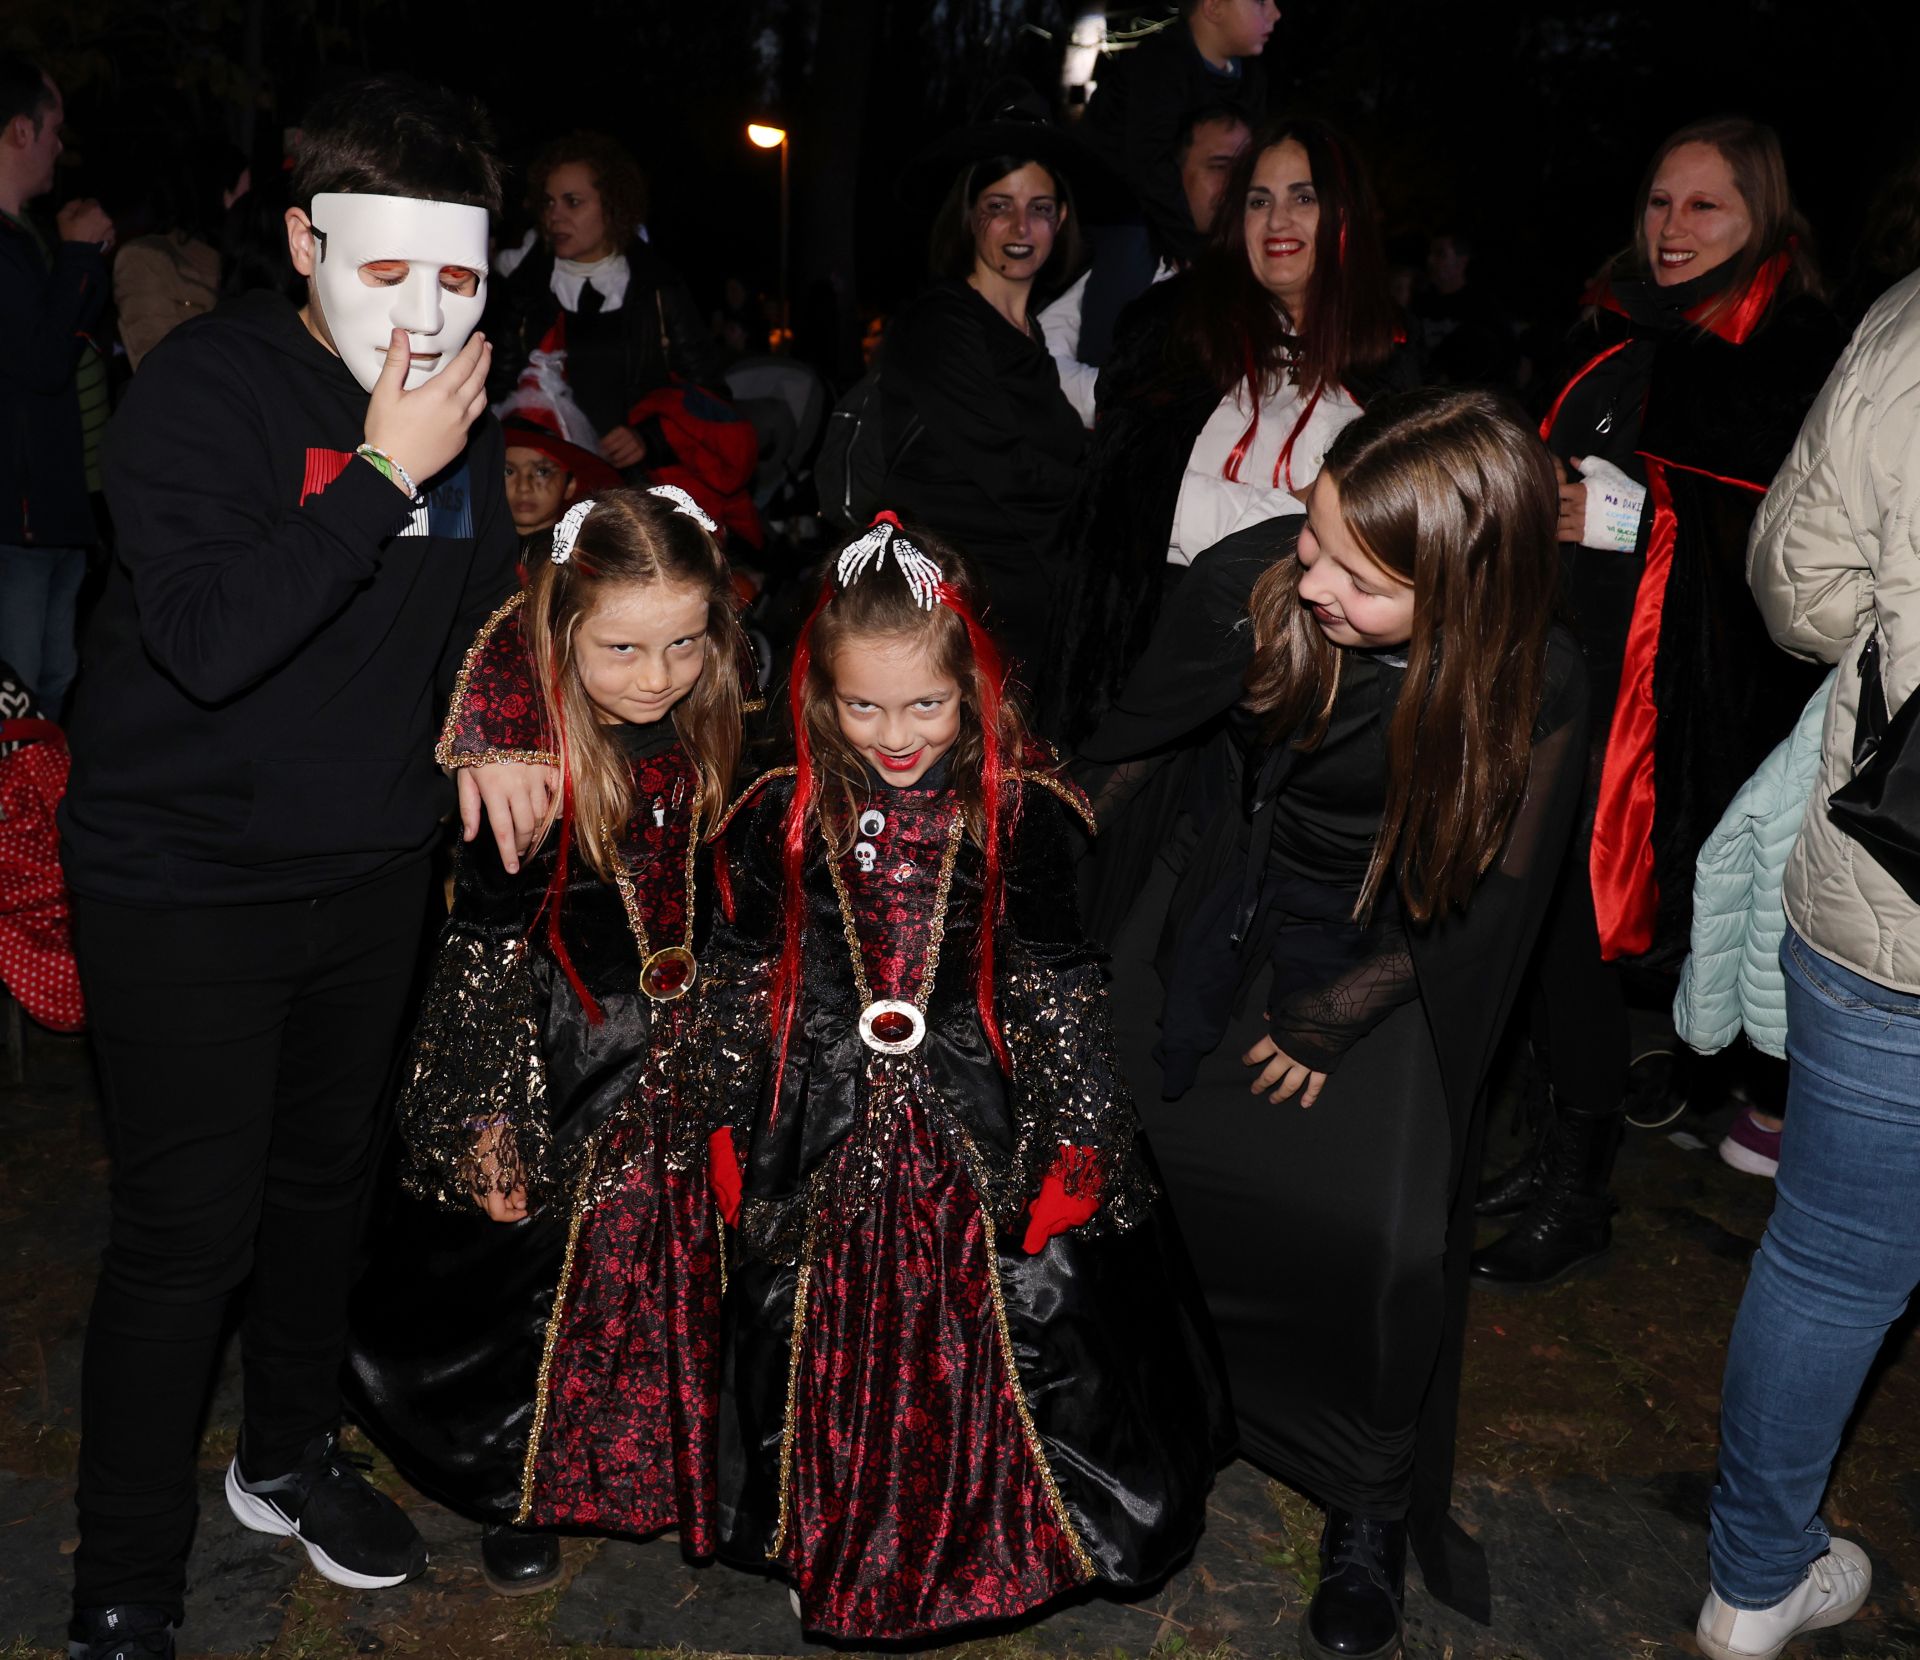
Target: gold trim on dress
x: 443, y: 750
x: 1068, y: 792
x: 747, y: 795
x: 802, y: 1278
x: 1055, y: 1497
x: 542, y: 1381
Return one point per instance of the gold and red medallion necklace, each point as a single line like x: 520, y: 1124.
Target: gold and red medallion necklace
x: 893, y: 1025
x: 668, y: 974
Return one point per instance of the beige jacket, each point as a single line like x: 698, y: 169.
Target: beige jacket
x: 158, y: 283
x: 1835, y: 552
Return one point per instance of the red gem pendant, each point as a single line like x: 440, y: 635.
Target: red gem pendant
x: 892, y: 1027
x: 668, y: 974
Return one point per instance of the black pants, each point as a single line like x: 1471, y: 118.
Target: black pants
x: 1579, y: 1007
x: 243, y: 1053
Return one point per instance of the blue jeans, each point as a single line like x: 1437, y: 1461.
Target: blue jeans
x: 1840, y: 1257
x: 39, y: 593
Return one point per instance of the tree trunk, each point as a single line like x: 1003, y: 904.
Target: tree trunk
x: 830, y: 109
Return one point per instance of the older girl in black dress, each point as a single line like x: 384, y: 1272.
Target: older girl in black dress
x: 1339, y: 917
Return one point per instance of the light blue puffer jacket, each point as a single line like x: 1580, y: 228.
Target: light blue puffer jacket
x: 1732, y: 976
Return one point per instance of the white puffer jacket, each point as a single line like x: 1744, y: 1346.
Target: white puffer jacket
x: 1835, y: 552
x: 1732, y: 980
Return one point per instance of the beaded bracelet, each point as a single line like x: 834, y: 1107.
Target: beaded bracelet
x: 389, y: 469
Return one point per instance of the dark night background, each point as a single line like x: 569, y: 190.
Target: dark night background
x: 1527, y: 125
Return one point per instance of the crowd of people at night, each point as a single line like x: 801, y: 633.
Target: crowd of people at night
x: 875, y: 931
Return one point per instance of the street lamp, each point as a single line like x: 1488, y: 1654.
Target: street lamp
x: 766, y: 137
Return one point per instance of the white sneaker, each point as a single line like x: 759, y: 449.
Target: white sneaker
x: 1835, y: 1587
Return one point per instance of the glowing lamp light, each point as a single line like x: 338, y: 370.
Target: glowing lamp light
x: 767, y: 138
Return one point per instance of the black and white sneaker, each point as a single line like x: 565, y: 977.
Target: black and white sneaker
x: 129, y: 1631
x: 354, y: 1536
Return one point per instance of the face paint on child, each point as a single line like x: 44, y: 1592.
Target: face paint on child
x: 538, y: 489
x: 895, y: 705
x: 641, y: 649
x: 1345, y: 590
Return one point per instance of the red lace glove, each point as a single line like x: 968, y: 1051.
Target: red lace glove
x: 1054, y: 1210
x: 723, y: 1175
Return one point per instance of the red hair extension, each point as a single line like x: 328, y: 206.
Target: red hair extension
x: 557, y: 883
x: 793, y: 849
x: 991, y: 676
x: 722, y: 879
x: 1283, y: 462
x: 1239, y: 452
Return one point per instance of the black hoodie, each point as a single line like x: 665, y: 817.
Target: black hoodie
x: 264, y: 675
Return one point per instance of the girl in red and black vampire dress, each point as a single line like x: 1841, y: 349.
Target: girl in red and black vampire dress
x: 536, y: 1338
x: 966, y: 1368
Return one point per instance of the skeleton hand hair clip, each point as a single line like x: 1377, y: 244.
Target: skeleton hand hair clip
x: 684, y: 503
x: 922, y: 574
x: 567, y: 531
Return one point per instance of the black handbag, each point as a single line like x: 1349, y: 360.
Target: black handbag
x: 1880, y: 805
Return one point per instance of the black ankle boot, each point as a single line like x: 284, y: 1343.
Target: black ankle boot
x: 517, y: 1563
x: 130, y: 1631
x: 1570, y: 1220
x: 1355, y: 1614
x: 1512, y: 1190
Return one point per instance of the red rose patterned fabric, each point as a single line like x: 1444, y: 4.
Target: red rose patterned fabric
x: 624, y: 1436
x: 918, y: 1501
x: 494, y: 713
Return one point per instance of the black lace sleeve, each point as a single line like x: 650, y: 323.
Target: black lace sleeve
x: 474, y: 1066
x: 1318, y: 1025
x: 1052, y: 1005
x: 1484, y: 947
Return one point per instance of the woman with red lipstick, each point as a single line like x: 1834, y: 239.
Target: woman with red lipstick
x: 1226, y: 387
x: 985, y: 448
x: 965, y: 1370
x: 1707, y: 342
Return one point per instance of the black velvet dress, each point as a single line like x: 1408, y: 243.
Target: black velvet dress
x: 1332, y: 1241
x: 924, y: 1426
x: 560, y: 1370
x: 986, y: 452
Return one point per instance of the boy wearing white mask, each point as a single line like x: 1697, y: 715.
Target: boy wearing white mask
x: 311, y: 529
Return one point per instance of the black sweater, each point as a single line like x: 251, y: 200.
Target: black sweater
x: 1140, y: 114
x: 44, y: 310
x: 264, y: 674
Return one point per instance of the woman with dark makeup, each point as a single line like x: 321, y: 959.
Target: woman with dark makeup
x: 1706, y: 344
x: 984, y: 447
x: 1227, y: 384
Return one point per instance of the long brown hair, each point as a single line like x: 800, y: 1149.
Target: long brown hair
x: 1233, y: 324
x: 634, y: 539
x: 1451, y: 493
x: 1752, y: 153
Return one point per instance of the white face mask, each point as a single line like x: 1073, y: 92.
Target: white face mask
x: 425, y: 244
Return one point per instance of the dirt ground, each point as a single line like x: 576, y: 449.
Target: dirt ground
x: 1586, y: 1451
